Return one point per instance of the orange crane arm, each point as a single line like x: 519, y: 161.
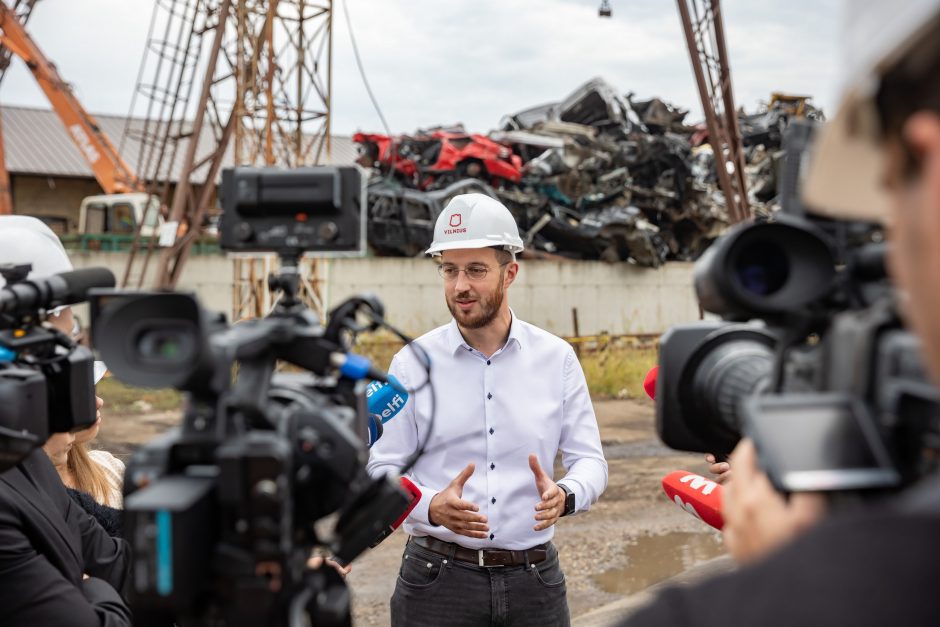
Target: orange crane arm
x: 113, y: 174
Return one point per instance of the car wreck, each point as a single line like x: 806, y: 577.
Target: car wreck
x: 596, y: 175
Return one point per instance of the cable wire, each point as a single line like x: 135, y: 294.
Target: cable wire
x: 425, y: 360
x: 362, y: 72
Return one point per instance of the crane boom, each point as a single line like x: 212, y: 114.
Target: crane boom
x: 113, y: 174
x: 22, y: 9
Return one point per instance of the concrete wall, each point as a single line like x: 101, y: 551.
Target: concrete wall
x: 618, y: 298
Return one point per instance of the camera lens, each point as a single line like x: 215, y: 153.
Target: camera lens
x: 161, y: 345
x: 762, y: 268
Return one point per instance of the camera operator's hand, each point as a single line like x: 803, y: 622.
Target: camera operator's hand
x: 316, y: 562
x: 757, y: 517
x: 721, y: 470
x: 450, y: 510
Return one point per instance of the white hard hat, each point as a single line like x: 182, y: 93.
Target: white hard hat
x: 846, y: 166
x: 27, y: 240
x: 475, y: 221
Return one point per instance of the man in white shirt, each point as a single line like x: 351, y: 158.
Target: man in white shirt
x: 508, y: 397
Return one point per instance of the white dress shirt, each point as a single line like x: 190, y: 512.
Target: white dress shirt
x: 528, y: 397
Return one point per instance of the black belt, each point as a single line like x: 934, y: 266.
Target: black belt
x: 483, y: 557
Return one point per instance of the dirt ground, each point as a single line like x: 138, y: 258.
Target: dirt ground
x: 632, y: 538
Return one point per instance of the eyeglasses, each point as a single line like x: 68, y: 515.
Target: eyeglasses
x: 474, y: 272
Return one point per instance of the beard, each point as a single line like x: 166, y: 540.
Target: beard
x: 488, y: 308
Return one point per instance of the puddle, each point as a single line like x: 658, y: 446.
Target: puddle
x: 655, y: 558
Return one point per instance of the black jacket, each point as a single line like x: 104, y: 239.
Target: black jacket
x: 47, y: 544
x: 108, y: 517
x: 874, y: 570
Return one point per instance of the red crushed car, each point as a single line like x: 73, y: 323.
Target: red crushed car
x: 437, y: 158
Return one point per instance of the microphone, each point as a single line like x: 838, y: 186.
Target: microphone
x: 649, y: 382
x: 385, y: 400
x: 697, y: 495
x: 375, y: 429
x: 373, y: 515
x: 356, y: 367
x: 53, y: 291
x: 414, y: 494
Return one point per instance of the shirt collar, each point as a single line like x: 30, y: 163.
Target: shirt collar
x: 456, y: 342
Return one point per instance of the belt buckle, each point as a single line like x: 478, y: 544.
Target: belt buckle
x: 482, y: 564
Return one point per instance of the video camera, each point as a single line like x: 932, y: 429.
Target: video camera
x: 220, y: 512
x: 46, y: 379
x: 811, y: 360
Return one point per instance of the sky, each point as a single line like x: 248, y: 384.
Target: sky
x: 433, y: 62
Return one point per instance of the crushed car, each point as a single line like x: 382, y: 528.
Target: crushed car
x: 595, y: 175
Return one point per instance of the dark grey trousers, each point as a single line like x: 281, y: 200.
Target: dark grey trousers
x: 436, y: 591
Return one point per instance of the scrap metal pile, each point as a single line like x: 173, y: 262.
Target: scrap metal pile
x: 594, y: 176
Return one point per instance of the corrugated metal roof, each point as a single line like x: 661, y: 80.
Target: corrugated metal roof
x: 36, y: 142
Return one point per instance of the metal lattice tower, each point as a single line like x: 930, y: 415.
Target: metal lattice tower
x: 260, y: 96
x: 164, y: 90
x: 705, y: 36
x: 283, y: 119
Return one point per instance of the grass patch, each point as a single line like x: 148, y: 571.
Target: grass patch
x: 379, y: 348
x: 122, y: 397
x: 618, y: 371
x: 612, y: 370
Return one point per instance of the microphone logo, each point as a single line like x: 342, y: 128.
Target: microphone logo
x: 697, y: 482
x: 392, y: 407
x: 374, y: 387
x: 687, y: 507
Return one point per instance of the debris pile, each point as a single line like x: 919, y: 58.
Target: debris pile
x: 594, y: 176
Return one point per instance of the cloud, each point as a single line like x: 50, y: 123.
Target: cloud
x: 432, y: 62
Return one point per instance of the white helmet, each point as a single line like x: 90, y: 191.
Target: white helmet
x: 475, y: 221
x: 24, y: 240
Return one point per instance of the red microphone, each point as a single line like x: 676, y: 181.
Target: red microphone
x: 695, y: 494
x: 649, y: 383
x: 415, y: 495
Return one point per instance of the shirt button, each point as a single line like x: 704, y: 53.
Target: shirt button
x: 487, y: 362
x: 492, y: 536
x: 491, y: 430
x: 492, y: 466
x: 489, y: 396
x: 493, y: 500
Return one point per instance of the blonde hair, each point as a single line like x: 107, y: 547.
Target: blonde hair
x: 89, y: 476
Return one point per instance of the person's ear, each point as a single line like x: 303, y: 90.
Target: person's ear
x: 512, y: 270
x: 921, y: 139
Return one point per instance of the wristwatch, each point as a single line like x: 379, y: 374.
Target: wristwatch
x: 569, y: 499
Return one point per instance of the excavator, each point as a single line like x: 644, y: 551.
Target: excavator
x: 125, y: 203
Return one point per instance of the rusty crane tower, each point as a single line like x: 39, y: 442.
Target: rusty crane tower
x: 705, y: 36
x: 222, y: 83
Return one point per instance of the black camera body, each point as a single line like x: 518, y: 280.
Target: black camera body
x: 221, y: 512
x: 46, y: 379
x: 811, y: 360
x: 320, y: 209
